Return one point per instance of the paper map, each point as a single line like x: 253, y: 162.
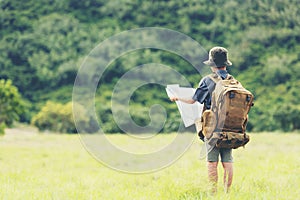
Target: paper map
x: 189, y: 112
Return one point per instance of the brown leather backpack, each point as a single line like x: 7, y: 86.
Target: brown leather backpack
x: 225, y: 123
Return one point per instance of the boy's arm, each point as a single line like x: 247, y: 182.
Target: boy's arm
x: 189, y: 101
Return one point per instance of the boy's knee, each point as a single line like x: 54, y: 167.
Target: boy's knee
x: 212, y: 167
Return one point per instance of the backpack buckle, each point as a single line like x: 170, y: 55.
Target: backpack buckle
x: 231, y: 95
x: 248, y: 98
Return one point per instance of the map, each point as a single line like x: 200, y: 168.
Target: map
x: 189, y: 112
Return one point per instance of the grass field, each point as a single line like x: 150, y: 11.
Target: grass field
x: 52, y: 166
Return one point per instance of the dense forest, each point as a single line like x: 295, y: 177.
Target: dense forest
x: 44, y: 42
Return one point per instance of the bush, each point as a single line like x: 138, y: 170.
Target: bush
x: 2, y: 128
x: 11, y: 104
x: 55, y: 117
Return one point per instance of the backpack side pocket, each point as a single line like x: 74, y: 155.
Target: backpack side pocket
x: 209, y: 123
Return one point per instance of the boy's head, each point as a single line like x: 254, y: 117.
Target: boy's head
x: 218, y: 57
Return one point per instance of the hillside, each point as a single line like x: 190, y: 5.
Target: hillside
x: 43, y: 44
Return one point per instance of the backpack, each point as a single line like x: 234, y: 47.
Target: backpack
x: 225, y: 123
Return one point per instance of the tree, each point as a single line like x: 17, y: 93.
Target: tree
x: 11, y: 104
x: 288, y: 117
x: 42, y: 44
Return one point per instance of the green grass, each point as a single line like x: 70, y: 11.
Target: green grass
x: 52, y: 166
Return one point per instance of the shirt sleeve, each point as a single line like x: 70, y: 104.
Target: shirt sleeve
x: 201, y: 92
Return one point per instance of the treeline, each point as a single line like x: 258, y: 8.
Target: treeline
x: 44, y: 42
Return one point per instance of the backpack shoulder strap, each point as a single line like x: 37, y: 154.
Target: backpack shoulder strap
x: 214, y: 77
x: 229, y: 77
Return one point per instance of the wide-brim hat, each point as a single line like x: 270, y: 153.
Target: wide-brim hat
x: 218, y: 57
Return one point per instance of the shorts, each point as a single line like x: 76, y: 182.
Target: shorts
x: 225, y: 154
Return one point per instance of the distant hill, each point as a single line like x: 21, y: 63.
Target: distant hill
x: 44, y: 42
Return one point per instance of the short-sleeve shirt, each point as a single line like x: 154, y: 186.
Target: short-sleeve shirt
x: 206, y: 87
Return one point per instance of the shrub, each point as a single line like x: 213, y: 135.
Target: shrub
x: 2, y: 128
x: 55, y: 117
x: 11, y: 104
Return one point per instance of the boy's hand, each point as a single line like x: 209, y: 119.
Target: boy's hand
x: 174, y: 98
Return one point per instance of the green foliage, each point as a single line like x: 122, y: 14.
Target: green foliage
x: 44, y: 42
x: 288, y: 117
x: 55, y: 117
x: 138, y: 111
x: 2, y: 128
x: 11, y: 104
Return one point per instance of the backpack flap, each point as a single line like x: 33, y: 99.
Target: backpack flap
x: 233, y: 110
x: 231, y: 102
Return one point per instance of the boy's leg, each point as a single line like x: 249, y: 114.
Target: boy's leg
x: 228, y: 175
x: 212, y: 166
x: 227, y: 160
x: 213, y: 175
